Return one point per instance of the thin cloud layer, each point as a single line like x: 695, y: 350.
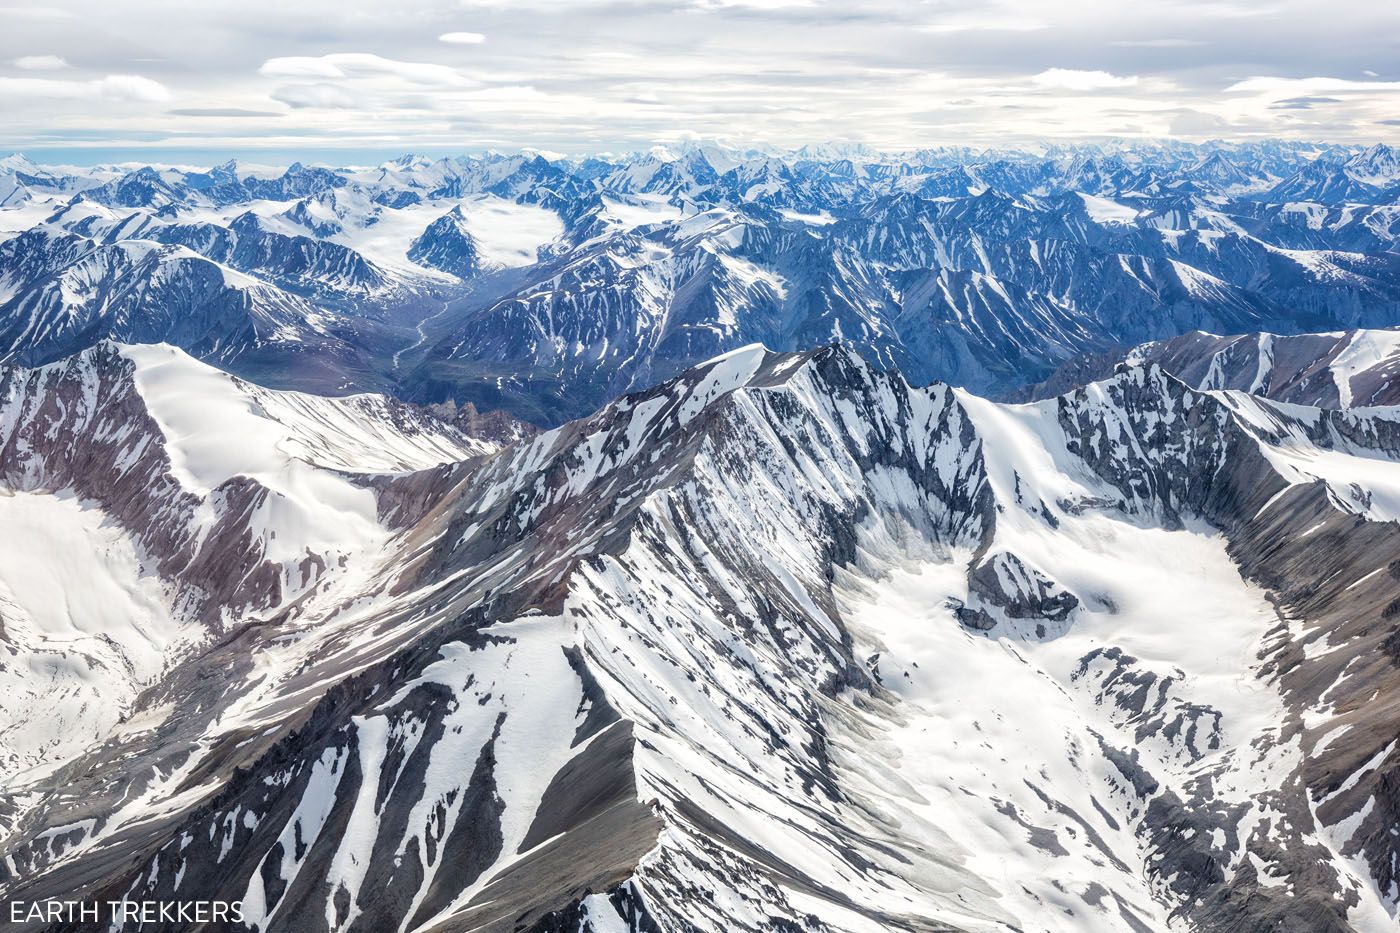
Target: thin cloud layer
x: 108, y: 88
x: 601, y: 75
x: 40, y: 63
x: 1074, y: 79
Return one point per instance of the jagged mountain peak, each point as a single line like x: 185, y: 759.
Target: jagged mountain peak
x: 18, y: 162
x: 447, y: 244
x: 1377, y: 165
x: 759, y: 594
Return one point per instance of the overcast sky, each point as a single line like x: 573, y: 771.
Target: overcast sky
x: 186, y: 78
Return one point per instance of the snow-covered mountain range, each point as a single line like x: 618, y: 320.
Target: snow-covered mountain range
x: 548, y: 285
x: 706, y: 541
x: 782, y: 643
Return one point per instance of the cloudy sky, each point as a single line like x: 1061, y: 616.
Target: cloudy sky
x: 126, y: 78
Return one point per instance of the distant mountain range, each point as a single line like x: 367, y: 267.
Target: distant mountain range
x: 547, y: 286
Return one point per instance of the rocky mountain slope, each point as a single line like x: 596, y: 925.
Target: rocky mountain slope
x: 1346, y: 369
x: 152, y: 503
x: 781, y: 643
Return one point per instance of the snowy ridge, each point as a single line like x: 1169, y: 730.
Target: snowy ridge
x: 177, y: 500
x: 217, y: 426
x: 65, y: 288
x: 784, y: 638
x: 1343, y: 369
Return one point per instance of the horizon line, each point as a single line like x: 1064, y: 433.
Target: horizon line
x: 95, y: 156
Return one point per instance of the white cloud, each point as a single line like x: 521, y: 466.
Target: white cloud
x: 132, y: 87
x: 1293, y: 86
x: 1225, y: 10
x: 1019, y: 25
x: 362, y: 64
x: 507, y: 95
x: 112, y: 87
x: 36, y: 12
x: 239, y: 112
x: 624, y: 74
x: 300, y: 66
x: 319, y: 96
x: 462, y: 38
x: 40, y: 63
x: 1165, y: 43
x: 1072, y: 79
x: 751, y: 4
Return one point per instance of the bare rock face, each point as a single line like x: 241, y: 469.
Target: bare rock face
x: 1020, y: 591
x: 782, y: 643
x: 497, y: 426
x: 448, y: 245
